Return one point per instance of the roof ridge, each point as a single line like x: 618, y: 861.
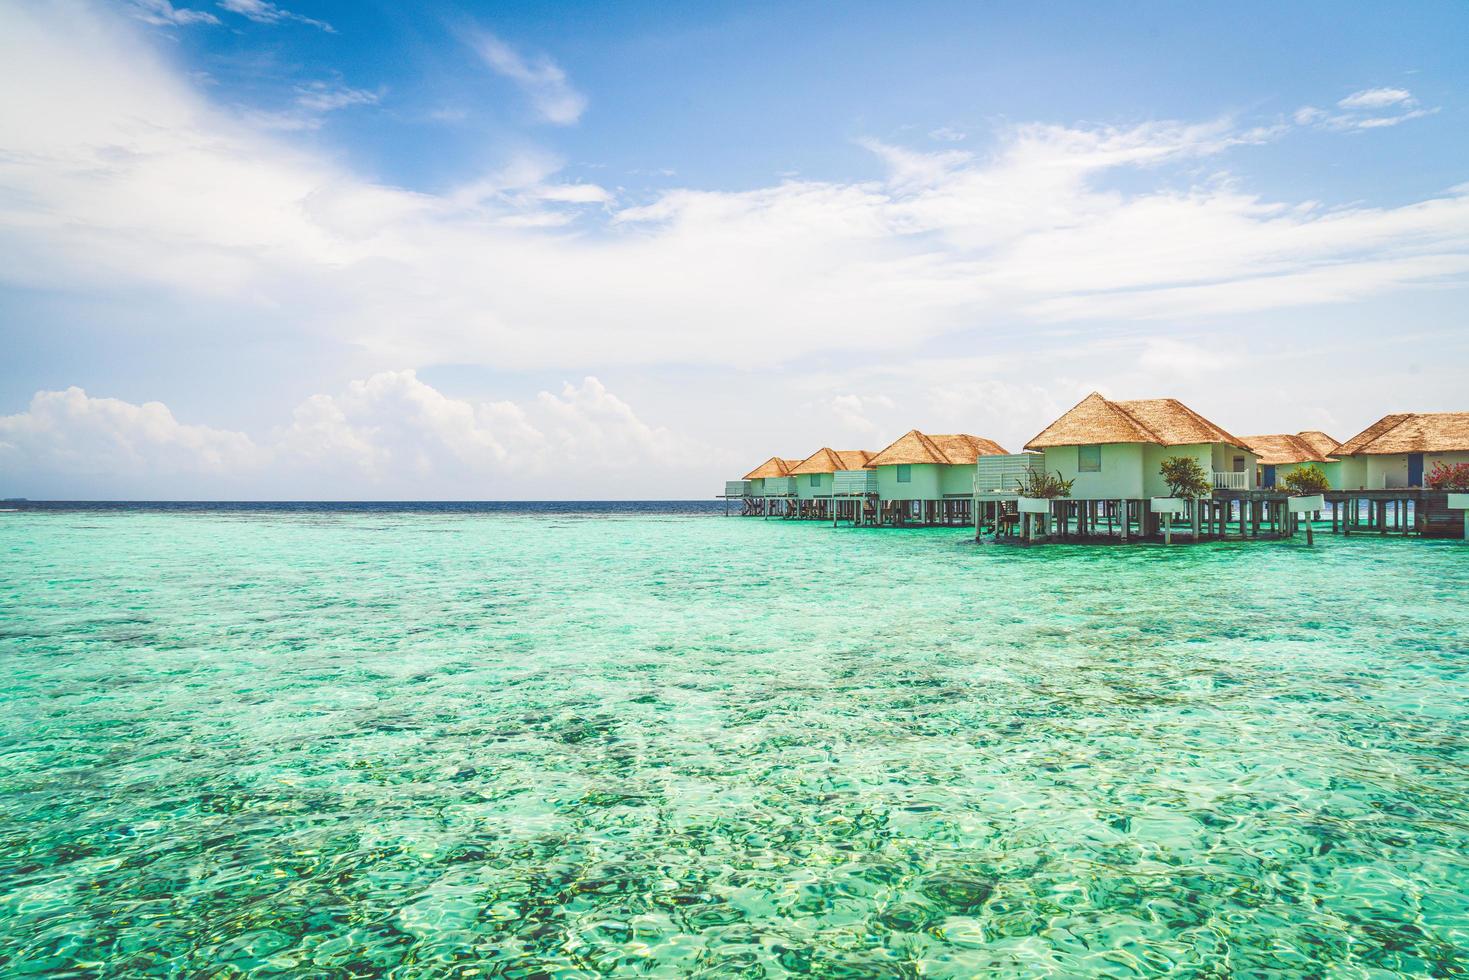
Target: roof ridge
x: 1233, y: 440
x: 1397, y: 419
x: 1402, y: 417
x: 933, y: 447
x: 1117, y: 406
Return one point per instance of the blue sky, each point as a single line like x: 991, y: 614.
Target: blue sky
x: 518, y: 250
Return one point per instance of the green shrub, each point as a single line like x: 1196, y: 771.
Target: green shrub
x: 1038, y: 483
x: 1306, y: 480
x: 1185, y: 477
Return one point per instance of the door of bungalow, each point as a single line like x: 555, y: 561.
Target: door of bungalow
x: 1415, y: 469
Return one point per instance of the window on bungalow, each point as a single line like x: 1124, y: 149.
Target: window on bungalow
x: 1239, y: 464
x: 815, y: 479
x: 1088, y: 459
x: 905, y: 473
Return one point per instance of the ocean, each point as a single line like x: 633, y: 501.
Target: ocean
x: 564, y: 740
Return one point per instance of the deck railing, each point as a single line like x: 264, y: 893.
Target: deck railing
x: 736, y: 488
x: 1231, y: 481
x: 780, y: 486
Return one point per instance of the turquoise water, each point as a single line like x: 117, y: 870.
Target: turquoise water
x: 468, y: 744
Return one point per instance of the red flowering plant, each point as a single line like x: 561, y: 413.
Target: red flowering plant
x: 1445, y: 477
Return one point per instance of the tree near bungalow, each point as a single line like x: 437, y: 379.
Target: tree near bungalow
x: 1306, y: 480
x: 1043, y: 486
x: 1185, y: 477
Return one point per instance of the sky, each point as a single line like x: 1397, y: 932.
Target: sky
x: 372, y: 250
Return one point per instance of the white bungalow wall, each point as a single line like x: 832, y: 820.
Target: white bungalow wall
x: 805, y: 489
x: 956, y: 481
x: 1120, y: 476
x: 1374, y: 472
x: 1130, y: 470
x: 923, y: 484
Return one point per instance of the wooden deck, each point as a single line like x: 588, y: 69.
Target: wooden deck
x: 1231, y: 514
x: 1227, y: 514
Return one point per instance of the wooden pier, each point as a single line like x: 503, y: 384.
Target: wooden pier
x: 1240, y: 515
x: 1227, y: 514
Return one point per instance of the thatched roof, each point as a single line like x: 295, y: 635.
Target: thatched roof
x: 772, y: 467
x: 1161, y: 421
x: 1278, y: 450
x: 963, y: 449
x: 830, y: 460
x: 1412, y: 432
x: 947, y: 450
x: 1319, y: 441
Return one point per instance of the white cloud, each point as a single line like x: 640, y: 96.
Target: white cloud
x: 1377, y: 98
x: 324, y: 97
x: 914, y: 169
x: 265, y: 12
x: 542, y: 80
x: 394, y: 424
x: 588, y: 423
x: 69, y: 431
x: 387, y: 434
x: 524, y: 194
x: 1373, y: 108
x: 1308, y: 115
x: 1378, y: 122
x: 575, y: 194
x: 853, y: 413
x: 947, y: 134
x: 116, y: 166
x: 312, y: 104
x: 162, y: 13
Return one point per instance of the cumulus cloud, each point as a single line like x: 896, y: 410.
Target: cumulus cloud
x: 70, y: 431
x: 543, y: 81
x: 588, y: 422
x: 854, y: 412
x: 265, y: 12
x: 388, y: 434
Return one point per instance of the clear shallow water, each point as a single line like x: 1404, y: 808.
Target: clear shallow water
x: 424, y: 743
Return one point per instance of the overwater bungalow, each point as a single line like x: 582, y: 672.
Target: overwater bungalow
x: 1401, y: 450
x: 1112, y: 453
x: 768, y: 484
x: 814, y: 477
x: 1281, y: 454
x: 1113, y: 449
x: 929, y: 478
